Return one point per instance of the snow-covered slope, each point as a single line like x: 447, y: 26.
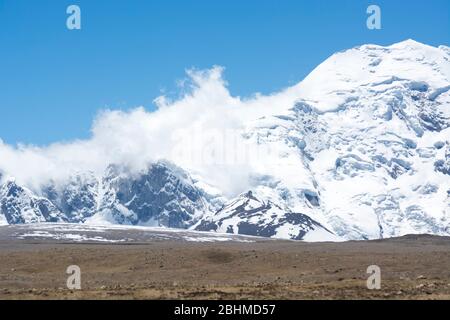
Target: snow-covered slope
x: 249, y: 215
x: 162, y: 195
x: 82, y: 233
x: 353, y: 73
x: 358, y: 150
x: 364, y: 150
x: 384, y: 114
x: 19, y: 205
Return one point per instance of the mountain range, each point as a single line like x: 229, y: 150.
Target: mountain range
x: 363, y: 152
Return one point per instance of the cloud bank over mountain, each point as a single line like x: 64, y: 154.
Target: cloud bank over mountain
x: 193, y: 131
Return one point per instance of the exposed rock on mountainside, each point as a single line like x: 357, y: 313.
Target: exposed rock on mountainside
x: 251, y: 216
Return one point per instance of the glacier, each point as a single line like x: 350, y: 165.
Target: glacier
x: 360, y: 149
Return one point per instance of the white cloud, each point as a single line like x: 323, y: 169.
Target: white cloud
x: 197, y: 132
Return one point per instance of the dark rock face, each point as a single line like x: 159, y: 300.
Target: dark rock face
x: 268, y: 231
x: 443, y: 165
x: 163, y: 195
x: 250, y: 216
x: 77, y: 198
x: 19, y: 206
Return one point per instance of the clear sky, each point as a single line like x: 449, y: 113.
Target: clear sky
x: 53, y: 81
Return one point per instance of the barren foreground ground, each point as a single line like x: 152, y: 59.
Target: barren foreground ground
x: 412, y: 267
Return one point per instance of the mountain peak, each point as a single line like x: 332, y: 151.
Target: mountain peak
x: 356, y: 72
x: 409, y: 43
x: 261, y: 217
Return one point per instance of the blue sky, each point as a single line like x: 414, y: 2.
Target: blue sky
x: 54, y: 81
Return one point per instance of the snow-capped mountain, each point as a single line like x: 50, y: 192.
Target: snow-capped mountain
x: 360, y: 149
x: 384, y: 118
x: 19, y: 205
x: 162, y: 195
x: 251, y: 216
x: 76, y: 198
